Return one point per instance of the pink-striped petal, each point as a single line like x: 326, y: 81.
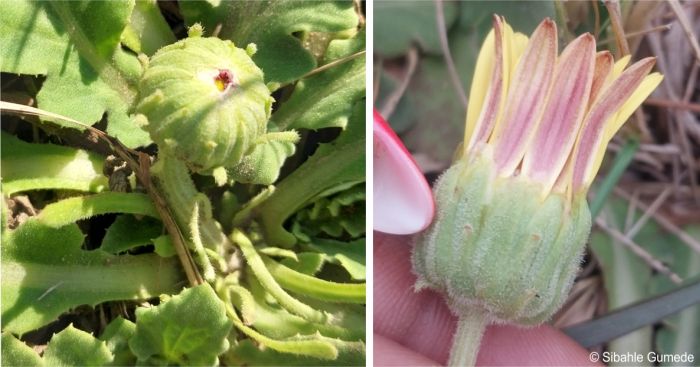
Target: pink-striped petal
x: 603, y: 67
x: 566, y: 107
x: 527, y: 97
x: 590, y: 146
x: 496, y: 92
x: 403, y: 201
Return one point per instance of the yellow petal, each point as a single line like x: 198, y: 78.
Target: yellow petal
x: 492, y: 105
x: 648, y: 85
x: 620, y: 66
x: 480, y: 84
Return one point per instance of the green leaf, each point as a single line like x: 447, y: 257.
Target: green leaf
x: 523, y: 17
x: 128, y: 232
x: 27, y: 166
x: 76, y: 44
x: 187, y: 329
x: 73, y: 347
x: 314, y: 287
x: 271, y: 25
x: 306, y: 263
x: 262, y: 166
x: 437, y: 123
x: 117, y: 335
x: 273, y: 322
x: 164, y: 246
x: 337, y: 214
x: 314, y: 345
x: 247, y: 353
x: 622, y: 161
x: 326, y: 99
x: 45, y: 273
x: 350, y: 256
x: 401, y: 23
x: 339, y: 162
x: 257, y: 266
x: 626, y: 278
x: 147, y: 30
x: 680, y: 333
x: 16, y: 353
x: 81, y: 207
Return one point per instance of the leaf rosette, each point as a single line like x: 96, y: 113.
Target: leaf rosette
x: 205, y: 101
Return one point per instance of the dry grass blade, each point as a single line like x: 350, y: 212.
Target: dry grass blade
x: 613, y: 7
x: 648, y: 213
x: 638, y: 250
x: 685, y: 23
x: 395, y: 97
x: 444, y: 44
x: 694, y: 107
x: 665, y: 223
x: 663, y: 27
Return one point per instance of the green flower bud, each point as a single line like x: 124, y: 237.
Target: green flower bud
x: 205, y: 100
x: 498, y: 245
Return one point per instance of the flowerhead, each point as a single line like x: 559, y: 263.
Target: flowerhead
x: 549, y: 117
x: 512, y: 218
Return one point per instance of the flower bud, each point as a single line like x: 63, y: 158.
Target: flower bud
x: 205, y: 100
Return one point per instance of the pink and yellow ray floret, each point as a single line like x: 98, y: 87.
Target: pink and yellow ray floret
x: 512, y: 218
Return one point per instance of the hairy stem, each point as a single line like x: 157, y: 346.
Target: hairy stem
x: 181, y: 195
x: 465, y: 345
x: 257, y: 266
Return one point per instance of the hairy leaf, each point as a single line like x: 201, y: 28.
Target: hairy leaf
x: 27, y: 166
x: 272, y: 26
x: 337, y: 163
x: 87, y: 72
x: 273, y: 322
x: 247, y: 353
x: 350, y: 256
x: 81, y: 207
x: 262, y: 165
x: 314, y: 287
x: 73, y: 347
x: 313, y: 345
x: 117, y: 335
x: 128, y: 232
x: 326, y: 99
x: 335, y: 215
x: 16, y: 353
x: 45, y: 273
x: 402, y: 23
x: 147, y: 30
x: 306, y: 262
x: 187, y: 329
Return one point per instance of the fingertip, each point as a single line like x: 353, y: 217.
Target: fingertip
x: 389, y: 353
x: 540, y: 346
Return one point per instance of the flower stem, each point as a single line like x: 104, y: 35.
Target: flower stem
x: 465, y: 345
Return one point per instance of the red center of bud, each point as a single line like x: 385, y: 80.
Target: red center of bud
x: 223, y: 79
